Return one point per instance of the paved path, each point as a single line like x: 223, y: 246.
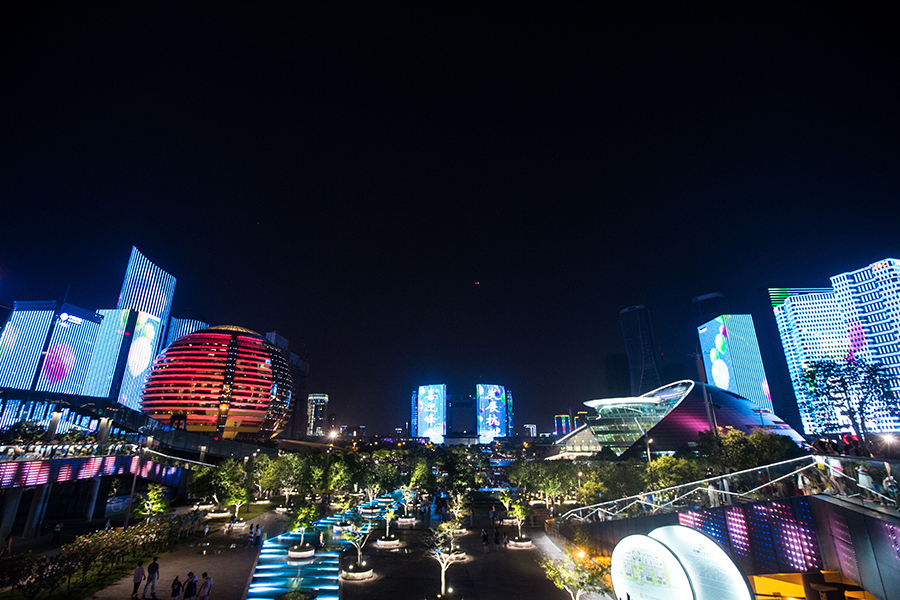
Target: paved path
x: 226, y: 557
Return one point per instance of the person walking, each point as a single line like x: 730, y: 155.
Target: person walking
x: 496, y: 539
x: 205, y: 587
x: 190, y: 586
x: 57, y: 532
x: 176, y: 588
x: 7, y: 546
x: 138, y: 577
x: 484, y: 540
x: 152, y: 576
x: 250, y: 539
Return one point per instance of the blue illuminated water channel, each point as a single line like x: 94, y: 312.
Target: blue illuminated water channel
x: 277, y: 574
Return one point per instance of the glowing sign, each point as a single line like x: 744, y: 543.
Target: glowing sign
x: 711, y: 572
x: 432, y: 411
x: 492, y: 413
x: 642, y: 567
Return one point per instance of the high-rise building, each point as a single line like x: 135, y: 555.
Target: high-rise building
x: 47, y: 348
x: 531, y: 429
x: 561, y: 425
x: 493, y: 413
x: 110, y: 352
x: 643, y: 358
x: 732, y: 359
x: 182, y: 326
x: 149, y: 289
x: 709, y: 306
x: 429, y: 412
x: 858, y: 318
x: 316, y: 405
x: 461, y: 418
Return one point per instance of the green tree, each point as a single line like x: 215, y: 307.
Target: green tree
x: 577, y: 575
x: 855, y: 390
x: 285, y: 474
x: 520, y: 511
x: 153, y: 504
x: 441, y: 546
x: 305, y: 515
x: 667, y: 471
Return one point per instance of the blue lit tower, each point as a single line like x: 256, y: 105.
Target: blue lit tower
x: 47, y: 348
x: 643, y: 359
x: 316, y: 406
x: 110, y: 353
x: 149, y: 289
x: 430, y: 412
x: 732, y: 358
x: 182, y: 326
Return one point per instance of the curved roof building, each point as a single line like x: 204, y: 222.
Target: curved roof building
x: 225, y: 380
x: 672, y: 417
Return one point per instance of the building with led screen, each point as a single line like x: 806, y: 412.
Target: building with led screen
x: 732, y: 358
x: 672, y: 416
x: 179, y: 327
x: 149, y: 289
x: 430, y: 412
x: 858, y: 318
x: 493, y: 417
x: 225, y: 381
x: 47, y: 348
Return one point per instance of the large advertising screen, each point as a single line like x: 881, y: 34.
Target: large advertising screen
x: 492, y: 413
x: 140, y: 357
x: 431, y: 418
x: 732, y: 359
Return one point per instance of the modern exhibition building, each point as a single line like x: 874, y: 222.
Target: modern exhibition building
x: 667, y: 420
x: 225, y: 381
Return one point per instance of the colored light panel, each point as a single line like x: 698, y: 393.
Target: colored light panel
x: 492, y: 412
x: 432, y: 412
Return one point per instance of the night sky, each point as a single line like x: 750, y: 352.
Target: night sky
x: 442, y: 193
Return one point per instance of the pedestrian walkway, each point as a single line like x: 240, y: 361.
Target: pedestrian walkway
x: 225, y: 555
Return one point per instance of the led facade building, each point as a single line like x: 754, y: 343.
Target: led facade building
x: 493, y: 416
x: 149, y: 289
x: 179, y: 327
x: 108, y: 353
x: 47, y: 349
x: 643, y: 359
x: 732, y: 358
x: 858, y: 318
x: 561, y: 425
x: 430, y: 412
x: 22, y: 343
x: 225, y: 381
x: 316, y: 405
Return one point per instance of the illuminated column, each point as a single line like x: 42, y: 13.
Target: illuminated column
x: 102, y: 437
x: 10, y: 507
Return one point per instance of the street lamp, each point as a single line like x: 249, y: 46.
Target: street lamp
x: 649, y: 441
x: 579, y: 484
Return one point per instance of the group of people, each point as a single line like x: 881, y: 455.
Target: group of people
x: 189, y: 589
x: 499, y: 538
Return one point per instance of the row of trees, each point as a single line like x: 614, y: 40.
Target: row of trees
x: 602, y: 480
x: 92, y: 556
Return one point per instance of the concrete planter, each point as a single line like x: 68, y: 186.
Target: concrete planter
x: 385, y: 501
x: 520, y: 543
x: 281, y: 509
x: 339, y: 527
x: 460, y: 531
x: 354, y: 572
x: 392, y: 542
x: 218, y: 515
x: 406, y: 521
x: 370, y: 510
x: 299, y: 552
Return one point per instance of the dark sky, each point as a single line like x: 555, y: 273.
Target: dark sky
x: 446, y: 194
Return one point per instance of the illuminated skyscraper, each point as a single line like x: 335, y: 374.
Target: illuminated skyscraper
x: 429, y: 412
x: 179, y: 327
x: 643, y: 359
x: 561, y: 425
x: 297, y: 423
x: 316, y: 405
x: 732, y: 358
x: 46, y: 348
x: 859, y: 318
x: 493, y: 414
x: 149, y: 289
x: 110, y: 353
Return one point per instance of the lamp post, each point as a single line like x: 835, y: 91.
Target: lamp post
x: 579, y: 485
x: 649, y: 441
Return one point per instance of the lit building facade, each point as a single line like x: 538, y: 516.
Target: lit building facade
x: 430, y: 412
x: 47, y: 348
x: 225, y: 381
x: 643, y: 359
x: 561, y: 425
x: 179, y: 327
x: 857, y: 318
x: 316, y: 405
x: 732, y: 359
x: 148, y: 289
x: 493, y: 413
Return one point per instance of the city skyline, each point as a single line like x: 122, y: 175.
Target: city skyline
x: 425, y: 196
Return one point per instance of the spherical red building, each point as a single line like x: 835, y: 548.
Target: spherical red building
x: 225, y: 380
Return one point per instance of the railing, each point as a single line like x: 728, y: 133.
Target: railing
x: 48, y: 451
x: 866, y: 481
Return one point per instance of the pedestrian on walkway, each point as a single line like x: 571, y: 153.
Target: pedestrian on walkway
x: 496, y: 539
x: 190, y: 586
x: 505, y: 540
x: 138, y: 578
x: 57, y: 531
x: 206, y: 530
x: 484, y: 540
x: 152, y: 576
x: 250, y: 539
x: 176, y: 588
x: 7, y: 546
x: 108, y: 524
x: 205, y: 587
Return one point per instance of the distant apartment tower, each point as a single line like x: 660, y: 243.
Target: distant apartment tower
x: 531, y: 429
x: 732, y: 359
x: 643, y: 359
x: 858, y: 318
x: 561, y: 425
x: 316, y: 405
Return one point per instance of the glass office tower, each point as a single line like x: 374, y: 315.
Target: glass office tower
x: 732, y: 358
